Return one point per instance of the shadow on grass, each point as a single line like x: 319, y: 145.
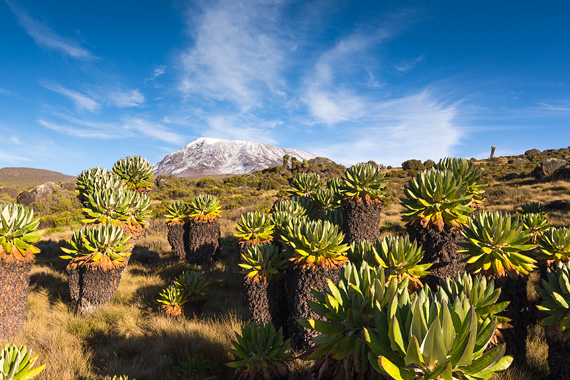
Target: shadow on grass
x: 154, y: 355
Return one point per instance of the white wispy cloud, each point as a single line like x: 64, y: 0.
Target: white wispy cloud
x: 239, y: 128
x: 46, y: 37
x: 158, y: 71
x: 555, y: 107
x: 237, y: 54
x: 417, y: 126
x: 406, y: 66
x: 81, y: 101
x: 12, y: 158
x: 132, y: 127
x: 125, y: 98
x: 3, y: 91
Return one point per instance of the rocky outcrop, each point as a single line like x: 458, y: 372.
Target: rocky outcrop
x: 41, y: 191
x: 10, y: 191
x: 548, y: 167
x: 532, y: 153
x: 562, y: 173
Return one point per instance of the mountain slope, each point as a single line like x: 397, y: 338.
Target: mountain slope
x: 208, y: 156
x: 25, y: 177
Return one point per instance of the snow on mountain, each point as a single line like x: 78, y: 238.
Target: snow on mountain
x: 208, y: 156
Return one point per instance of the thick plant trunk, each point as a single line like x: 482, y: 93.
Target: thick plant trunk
x: 203, y: 241
x: 300, y: 280
x: 520, y: 312
x: 440, y: 248
x: 91, y: 286
x: 135, y: 230
x: 265, y: 300
x: 176, y: 239
x: 362, y: 218
x: 14, y: 281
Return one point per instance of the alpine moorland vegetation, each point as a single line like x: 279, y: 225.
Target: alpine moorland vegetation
x: 347, y: 332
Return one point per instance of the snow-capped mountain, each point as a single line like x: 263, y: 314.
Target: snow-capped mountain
x: 208, y: 156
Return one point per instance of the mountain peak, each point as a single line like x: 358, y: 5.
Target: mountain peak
x: 211, y: 156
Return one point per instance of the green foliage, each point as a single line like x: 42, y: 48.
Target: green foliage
x: 16, y: 363
x: 94, y: 242
x: 535, y: 224
x: 468, y: 172
x: 193, y: 283
x: 436, y: 198
x: 399, y: 257
x: 481, y: 294
x: 204, y: 206
x: 18, y: 229
x: 136, y: 171
x: 117, y: 205
x: 172, y: 298
x: 359, y: 251
x: 177, y: 212
x: 261, y: 353
x: 315, y: 243
x: 262, y: 261
x: 363, y: 180
x: 96, y: 178
x: 255, y: 226
x: 412, y: 165
x: 531, y: 208
x: 494, y: 242
x: 305, y: 184
x: 555, y: 300
x: 195, y: 367
x: 554, y: 244
x: 427, y: 338
x: 347, y: 309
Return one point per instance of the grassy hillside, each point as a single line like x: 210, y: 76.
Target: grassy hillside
x: 27, y: 177
x: 130, y: 336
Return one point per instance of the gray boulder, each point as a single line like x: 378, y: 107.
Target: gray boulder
x: 532, y: 152
x: 41, y: 191
x: 562, y: 173
x: 546, y: 168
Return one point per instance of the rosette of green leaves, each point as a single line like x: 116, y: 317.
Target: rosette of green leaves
x: 555, y: 301
x: 481, y: 294
x: 554, y: 244
x: 16, y: 363
x: 363, y: 180
x: 107, y: 206
x: 431, y: 339
x: 261, y: 262
x: 136, y: 171
x: 335, y: 184
x: 261, y: 353
x: 359, y: 250
x: 315, y: 243
x: 204, y: 206
x: 176, y: 212
x: 284, y: 221
x: 531, y: 208
x: 493, y: 245
x: 18, y: 229
x: 172, y: 298
x: 468, y: 172
x: 121, y: 377
x: 436, y: 198
x: 347, y: 309
x: 305, y: 184
x: 255, y: 226
x: 193, y: 283
x: 97, y: 178
x: 138, y: 209
x: 400, y: 258
x: 98, y: 241
x: 291, y: 207
x: 535, y: 224
x: 308, y: 203
x: 326, y: 199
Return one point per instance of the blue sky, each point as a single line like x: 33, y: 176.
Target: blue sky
x: 83, y: 84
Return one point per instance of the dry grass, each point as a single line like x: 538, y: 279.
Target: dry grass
x: 129, y: 336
